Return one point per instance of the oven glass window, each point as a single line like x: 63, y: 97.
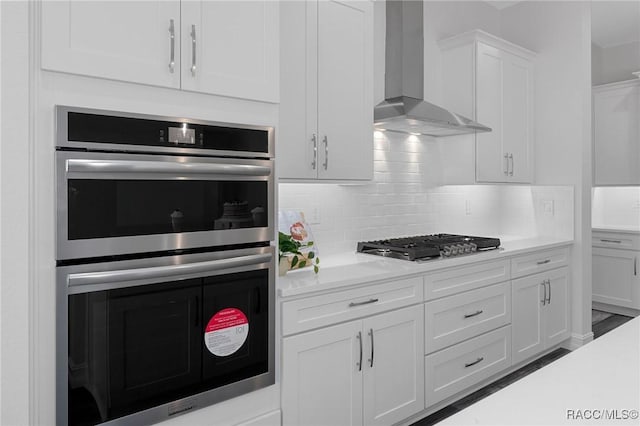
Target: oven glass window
x: 135, y: 348
x: 100, y: 208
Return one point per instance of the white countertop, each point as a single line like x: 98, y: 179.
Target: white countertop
x: 621, y: 229
x: 350, y: 268
x: 602, y: 375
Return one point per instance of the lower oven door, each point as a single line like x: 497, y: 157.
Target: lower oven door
x: 145, y: 340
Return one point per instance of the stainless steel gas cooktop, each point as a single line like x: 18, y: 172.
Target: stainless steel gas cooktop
x: 424, y: 247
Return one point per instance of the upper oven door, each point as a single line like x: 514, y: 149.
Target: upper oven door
x: 114, y: 203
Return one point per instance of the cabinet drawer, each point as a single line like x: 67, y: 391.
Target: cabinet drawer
x: 456, y: 280
x: 539, y: 261
x: 313, y: 312
x: 616, y: 240
x: 456, y: 318
x: 454, y: 369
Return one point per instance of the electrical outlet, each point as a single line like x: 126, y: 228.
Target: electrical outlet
x: 467, y: 207
x: 547, y: 207
x: 312, y: 215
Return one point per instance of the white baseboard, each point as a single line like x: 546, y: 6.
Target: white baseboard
x: 629, y: 312
x: 577, y: 340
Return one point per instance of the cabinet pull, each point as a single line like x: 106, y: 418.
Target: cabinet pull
x: 544, y: 299
x: 511, y: 158
x: 506, y: 164
x: 172, y: 44
x: 474, y: 362
x: 366, y: 302
x: 371, y: 334
x: 325, y: 140
x: 549, y: 284
x: 635, y: 266
x: 360, y: 341
x: 473, y: 314
x: 314, y: 163
x: 611, y: 241
x: 544, y: 262
x: 193, y: 50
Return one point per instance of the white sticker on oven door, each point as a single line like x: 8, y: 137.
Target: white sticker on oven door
x: 226, y: 332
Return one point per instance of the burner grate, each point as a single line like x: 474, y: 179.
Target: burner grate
x: 427, y: 246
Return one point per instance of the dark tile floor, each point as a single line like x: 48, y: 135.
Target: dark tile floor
x: 599, y: 328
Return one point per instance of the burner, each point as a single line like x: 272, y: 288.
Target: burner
x: 428, y: 246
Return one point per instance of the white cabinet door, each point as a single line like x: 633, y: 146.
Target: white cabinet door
x: 556, y: 310
x: 120, y: 40
x: 297, y: 139
x: 394, y: 366
x: 230, y: 48
x: 517, y: 120
x: 540, y: 312
x: 326, y: 97
x: 345, y: 91
x: 526, y: 318
x: 616, y: 132
x: 615, y: 277
x: 491, y: 160
x: 322, y: 378
x: 504, y: 102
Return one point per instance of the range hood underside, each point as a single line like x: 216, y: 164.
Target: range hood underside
x: 405, y: 114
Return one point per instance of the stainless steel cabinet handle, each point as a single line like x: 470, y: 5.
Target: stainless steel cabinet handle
x: 474, y: 362
x: 473, y: 314
x: 544, y: 299
x: 371, y: 334
x: 635, y: 266
x: 511, y: 158
x: 549, y: 284
x: 172, y: 41
x: 325, y: 140
x: 193, y: 50
x: 366, y: 302
x: 360, y: 341
x: 611, y: 241
x: 314, y: 163
x: 506, y: 164
x: 543, y: 262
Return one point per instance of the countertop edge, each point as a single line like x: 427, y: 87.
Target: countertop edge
x: 367, y: 269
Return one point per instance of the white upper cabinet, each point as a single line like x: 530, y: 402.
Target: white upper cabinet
x: 616, y: 133
x: 230, y: 48
x: 326, y: 98
x: 491, y: 81
x: 224, y: 47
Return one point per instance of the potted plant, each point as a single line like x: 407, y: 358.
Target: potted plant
x: 291, y: 255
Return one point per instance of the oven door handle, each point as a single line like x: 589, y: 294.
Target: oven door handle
x: 108, y: 280
x: 90, y: 166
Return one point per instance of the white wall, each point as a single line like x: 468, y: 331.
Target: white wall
x: 560, y: 32
x: 15, y: 203
x: 616, y: 207
x: 616, y: 63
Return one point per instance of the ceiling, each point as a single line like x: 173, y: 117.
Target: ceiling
x: 615, y: 22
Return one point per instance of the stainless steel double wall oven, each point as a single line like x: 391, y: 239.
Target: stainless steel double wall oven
x: 165, y: 265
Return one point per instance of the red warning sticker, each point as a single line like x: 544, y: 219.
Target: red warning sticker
x: 226, y: 332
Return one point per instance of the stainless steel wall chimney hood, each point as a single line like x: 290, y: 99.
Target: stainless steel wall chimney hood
x: 403, y: 109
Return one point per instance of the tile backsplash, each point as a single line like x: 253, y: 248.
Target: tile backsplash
x: 616, y: 206
x: 404, y: 199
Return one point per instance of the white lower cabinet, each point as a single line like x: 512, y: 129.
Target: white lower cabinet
x: 363, y: 372
x: 540, y: 306
x: 616, y: 269
x: 458, y: 367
